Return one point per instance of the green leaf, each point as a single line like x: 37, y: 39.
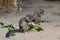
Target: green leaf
x: 1, y: 23
x: 44, y: 21
x: 41, y: 21
x: 5, y: 26
x: 11, y: 26
x: 31, y: 26
x: 37, y: 22
x: 38, y: 29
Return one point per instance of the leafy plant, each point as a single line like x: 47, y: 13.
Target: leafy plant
x: 44, y: 21
x: 41, y: 21
x: 10, y: 27
x: 38, y: 29
x: 1, y: 23
x: 31, y: 26
x: 37, y: 22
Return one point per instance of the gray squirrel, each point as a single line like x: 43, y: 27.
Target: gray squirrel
x: 37, y: 15
x: 23, y: 25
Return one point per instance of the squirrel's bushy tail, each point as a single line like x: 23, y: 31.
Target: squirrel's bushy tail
x: 13, y: 31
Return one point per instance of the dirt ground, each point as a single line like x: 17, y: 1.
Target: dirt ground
x: 51, y: 29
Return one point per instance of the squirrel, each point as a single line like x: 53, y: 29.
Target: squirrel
x: 37, y: 14
x: 23, y: 25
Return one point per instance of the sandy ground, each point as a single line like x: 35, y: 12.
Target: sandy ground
x: 51, y: 29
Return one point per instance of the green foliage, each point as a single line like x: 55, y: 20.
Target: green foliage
x: 37, y: 22
x: 31, y: 26
x: 38, y: 29
x: 1, y: 23
x: 10, y: 27
x: 41, y: 21
x: 44, y: 21
x: 4, y: 26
